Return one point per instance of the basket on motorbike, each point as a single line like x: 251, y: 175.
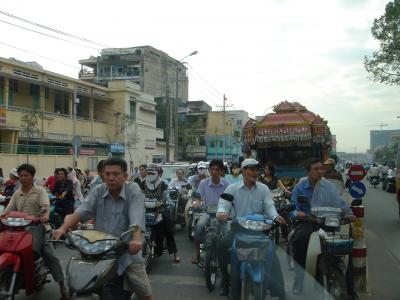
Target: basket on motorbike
x: 337, y: 245
x: 251, y: 247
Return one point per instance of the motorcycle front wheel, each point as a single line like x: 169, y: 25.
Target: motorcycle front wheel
x: 251, y: 290
x: 211, y: 268
x: 5, y: 283
x: 334, y: 283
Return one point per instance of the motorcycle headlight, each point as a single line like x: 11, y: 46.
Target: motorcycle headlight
x: 15, y: 222
x: 96, y: 247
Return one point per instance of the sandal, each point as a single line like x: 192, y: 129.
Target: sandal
x: 177, y: 259
x: 195, y: 261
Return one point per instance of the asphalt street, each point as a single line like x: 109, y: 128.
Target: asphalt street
x: 186, y: 281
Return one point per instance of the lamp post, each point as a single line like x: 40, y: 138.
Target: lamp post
x: 176, y: 125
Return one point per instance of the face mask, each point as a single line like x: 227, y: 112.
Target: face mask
x: 202, y: 171
x: 152, y: 178
x: 235, y: 171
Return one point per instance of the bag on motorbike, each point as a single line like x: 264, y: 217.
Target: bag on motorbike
x: 251, y: 247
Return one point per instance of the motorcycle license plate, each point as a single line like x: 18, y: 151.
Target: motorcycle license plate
x: 2, y: 208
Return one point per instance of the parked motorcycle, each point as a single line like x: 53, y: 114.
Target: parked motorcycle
x: 93, y: 275
x: 18, y: 267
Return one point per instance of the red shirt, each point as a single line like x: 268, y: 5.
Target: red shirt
x: 51, y: 182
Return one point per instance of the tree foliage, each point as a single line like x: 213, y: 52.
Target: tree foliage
x: 384, y: 64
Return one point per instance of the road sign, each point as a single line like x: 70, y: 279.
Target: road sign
x: 357, y: 173
x: 357, y: 189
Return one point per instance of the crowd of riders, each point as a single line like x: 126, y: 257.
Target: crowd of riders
x: 82, y: 196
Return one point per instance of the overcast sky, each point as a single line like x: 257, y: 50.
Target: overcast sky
x: 256, y: 52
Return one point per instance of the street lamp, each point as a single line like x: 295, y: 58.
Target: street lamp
x: 176, y: 140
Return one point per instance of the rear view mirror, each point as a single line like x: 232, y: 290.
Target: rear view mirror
x: 227, y: 197
x: 188, y: 186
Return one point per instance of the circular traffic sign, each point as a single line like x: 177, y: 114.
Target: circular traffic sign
x: 357, y: 172
x: 357, y: 189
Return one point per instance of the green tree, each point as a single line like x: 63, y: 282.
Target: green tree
x: 384, y: 65
x: 30, y: 127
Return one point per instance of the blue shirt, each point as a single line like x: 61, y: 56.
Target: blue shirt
x: 328, y: 196
x: 210, y: 192
x: 257, y: 200
x: 234, y: 179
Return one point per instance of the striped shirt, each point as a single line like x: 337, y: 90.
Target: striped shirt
x: 29, y: 203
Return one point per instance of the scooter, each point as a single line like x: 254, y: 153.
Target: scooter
x: 281, y: 202
x: 93, y: 275
x: 329, y: 251
x: 18, y: 267
x: 252, y: 253
x: 179, y: 199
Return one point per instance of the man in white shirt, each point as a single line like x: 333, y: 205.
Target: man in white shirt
x: 179, y: 180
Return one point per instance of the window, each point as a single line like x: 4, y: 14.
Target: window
x: 132, y: 110
x: 202, y: 140
x: 239, y: 122
x: 61, y: 103
x: 221, y: 144
x: 46, y: 93
x: 13, y: 86
x: 212, y: 144
x: 34, y: 90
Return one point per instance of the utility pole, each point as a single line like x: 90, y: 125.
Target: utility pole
x: 167, y: 124
x: 75, y: 149
x: 176, y: 127
x: 223, y: 127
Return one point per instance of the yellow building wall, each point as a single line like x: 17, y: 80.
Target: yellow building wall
x: 215, y: 124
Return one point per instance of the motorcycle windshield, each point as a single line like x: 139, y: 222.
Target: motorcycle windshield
x: 327, y: 195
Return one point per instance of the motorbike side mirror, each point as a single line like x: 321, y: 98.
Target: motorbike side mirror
x: 196, y: 195
x: 188, y: 186
x: 303, y: 199
x: 356, y: 202
x: 227, y: 197
x: 132, y: 228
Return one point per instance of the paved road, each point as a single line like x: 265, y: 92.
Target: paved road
x: 383, y: 244
x: 185, y: 281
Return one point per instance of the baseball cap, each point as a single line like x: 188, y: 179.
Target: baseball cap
x: 14, y: 172
x: 249, y: 163
x: 201, y: 164
x: 330, y: 161
x: 152, y: 167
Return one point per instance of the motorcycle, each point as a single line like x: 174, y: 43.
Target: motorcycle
x: 153, y: 217
x: 55, y: 218
x: 329, y: 252
x: 179, y: 199
x: 18, y: 267
x: 389, y: 181
x: 252, y: 254
x: 281, y: 202
x: 374, y: 180
x: 93, y: 275
x: 194, y: 215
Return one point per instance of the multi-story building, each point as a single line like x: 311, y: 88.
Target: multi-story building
x: 192, y: 135
x: 118, y: 119
x: 153, y: 70
x: 219, y: 136
x: 382, y: 138
x: 239, y: 120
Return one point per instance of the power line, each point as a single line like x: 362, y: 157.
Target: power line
x: 44, y: 57
x: 53, y: 29
x: 49, y: 35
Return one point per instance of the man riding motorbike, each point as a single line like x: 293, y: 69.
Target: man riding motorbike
x: 116, y: 205
x: 154, y: 188
x: 179, y: 180
x: 201, y: 174
x: 327, y: 195
x: 33, y: 200
x: 209, y: 189
x: 374, y: 172
x: 250, y: 196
